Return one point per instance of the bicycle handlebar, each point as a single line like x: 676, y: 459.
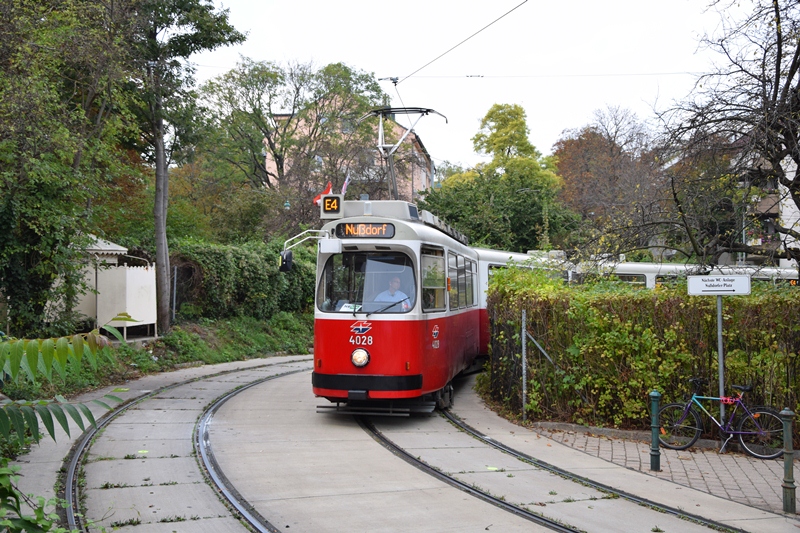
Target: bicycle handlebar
x: 698, y: 383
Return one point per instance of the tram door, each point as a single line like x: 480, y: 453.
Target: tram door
x: 462, y: 274
x: 433, y: 283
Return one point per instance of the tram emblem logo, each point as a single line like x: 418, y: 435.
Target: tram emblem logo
x: 435, y: 331
x: 361, y: 327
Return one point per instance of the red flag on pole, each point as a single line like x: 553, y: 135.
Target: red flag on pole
x: 327, y: 190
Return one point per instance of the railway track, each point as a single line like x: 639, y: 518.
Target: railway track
x: 584, y: 480
x: 244, y: 507
x: 226, y: 488
x: 74, y: 485
x: 501, y: 500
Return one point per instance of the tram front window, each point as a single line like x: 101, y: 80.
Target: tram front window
x: 367, y: 282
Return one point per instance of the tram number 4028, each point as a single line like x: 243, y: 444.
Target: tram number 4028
x: 361, y: 340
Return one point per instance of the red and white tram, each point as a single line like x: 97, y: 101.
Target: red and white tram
x: 400, y: 306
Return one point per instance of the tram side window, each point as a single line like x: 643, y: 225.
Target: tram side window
x: 633, y: 279
x: 452, y: 279
x: 475, y: 284
x: 434, y: 280
x: 665, y: 279
x: 462, y: 282
x: 471, y: 276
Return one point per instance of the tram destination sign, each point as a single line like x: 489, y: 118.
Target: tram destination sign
x: 718, y: 285
x: 364, y: 230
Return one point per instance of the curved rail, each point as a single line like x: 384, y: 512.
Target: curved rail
x: 72, y: 484
x: 202, y: 446
x: 452, y: 481
x: 461, y: 425
x: 258, y: 523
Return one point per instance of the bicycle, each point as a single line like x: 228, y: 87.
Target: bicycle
x: 760, y: 430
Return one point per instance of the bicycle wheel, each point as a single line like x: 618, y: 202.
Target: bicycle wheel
x: 762, y: 434
x: 678, y: 428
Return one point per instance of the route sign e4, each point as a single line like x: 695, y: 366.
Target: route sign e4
x: 718, y: 285
x: 330, y: 206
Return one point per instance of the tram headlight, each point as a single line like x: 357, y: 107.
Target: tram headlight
x: 360, y: 357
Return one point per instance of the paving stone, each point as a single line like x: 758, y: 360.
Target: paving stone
x: 731, y: 475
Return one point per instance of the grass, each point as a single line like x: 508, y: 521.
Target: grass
x: 109, y: 485
x: 168, y: 519
x: 200, y: 342
x: 128, y: 522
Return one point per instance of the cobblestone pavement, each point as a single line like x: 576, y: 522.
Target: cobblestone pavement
x: 731, y: 475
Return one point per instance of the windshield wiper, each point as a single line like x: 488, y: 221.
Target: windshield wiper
x: 382, y: 309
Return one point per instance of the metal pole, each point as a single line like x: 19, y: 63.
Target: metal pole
x: 524, y: 363
x: 393, y: 190
x: 720, y: 360
x: 655, y: 452
x: 96, y: 294
x: 789, y: 500
x: 174, y: 289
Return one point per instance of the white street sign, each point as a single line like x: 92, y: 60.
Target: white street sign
x: 719, y: 285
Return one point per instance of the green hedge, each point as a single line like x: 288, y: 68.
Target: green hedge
x: 219, y: 281
x: 612, y: 344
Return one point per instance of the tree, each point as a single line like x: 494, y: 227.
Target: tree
x: 611, y: 176
x: 746, y: 114
x: 516, y: 211
x: 288, y: 130
x: 169, y: 32
x: 60, y: 114
x: 504, y: 134
x: 603, y: 163
x: 445, y: 170
x: 508, y: 203
x: 705, y: 206
x: 125, y: 212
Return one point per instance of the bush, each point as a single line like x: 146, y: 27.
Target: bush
x: 610, y: 344
x: 222, y: 281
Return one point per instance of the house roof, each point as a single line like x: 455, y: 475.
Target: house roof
x: 102, y: 246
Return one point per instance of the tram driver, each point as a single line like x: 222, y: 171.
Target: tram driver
x: 393, y: 293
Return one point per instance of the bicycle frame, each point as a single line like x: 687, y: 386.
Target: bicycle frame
x: 736, y: 401
x: 727, y: 429
x: 759, y: 429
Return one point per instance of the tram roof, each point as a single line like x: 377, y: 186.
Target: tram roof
x: 755, y: 271
x: 397, y: 210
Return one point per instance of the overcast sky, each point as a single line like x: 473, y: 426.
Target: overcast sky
x: 560, y: 60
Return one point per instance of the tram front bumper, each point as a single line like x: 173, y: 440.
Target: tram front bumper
x: 362, y: 384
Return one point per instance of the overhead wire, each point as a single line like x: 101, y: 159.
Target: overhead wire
x: 580, y: 75
x: 403, y: 104
x: 395, y: 80
x: 462, y: 42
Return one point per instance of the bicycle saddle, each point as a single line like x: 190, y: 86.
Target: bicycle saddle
x: 743, y: 388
